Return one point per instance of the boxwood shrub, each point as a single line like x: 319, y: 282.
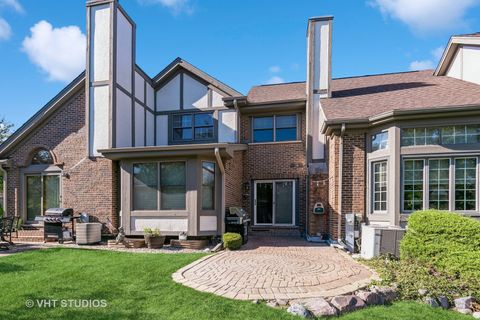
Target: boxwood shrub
x: 232, y: 241
x: 446, y: 242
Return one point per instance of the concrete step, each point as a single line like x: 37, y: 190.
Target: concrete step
x: 275, y: 231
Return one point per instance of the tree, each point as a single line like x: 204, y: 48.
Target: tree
x: 5, y: 129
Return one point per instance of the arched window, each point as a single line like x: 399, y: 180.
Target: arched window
x: 42, y: 156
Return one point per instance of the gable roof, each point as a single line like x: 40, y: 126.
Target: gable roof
x: 179, y: 63
x: 471, y: 39
x: 48, y: 109
x: 368, y: 96
x: 281, y: 92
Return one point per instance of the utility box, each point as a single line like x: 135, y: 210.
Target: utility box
x: 352, y: 231
x: 380, y: 240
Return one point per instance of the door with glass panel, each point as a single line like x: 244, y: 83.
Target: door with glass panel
x: 274, y: 202
x: 41, y: 193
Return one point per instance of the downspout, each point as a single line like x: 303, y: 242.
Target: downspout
x: 4, y: 204
x: 222, y: 171
x: 235, y: 105
x: 340, y: 183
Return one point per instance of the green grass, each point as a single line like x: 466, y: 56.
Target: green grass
x: 137, y: 286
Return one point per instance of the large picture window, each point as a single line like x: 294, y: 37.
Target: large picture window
x: 167, y: 179
x: 190, y: 127
x: 208, y: 186
x: 380, y: 186
x: 412, y: 185
x: 275, y: 128
x: 450, y: 184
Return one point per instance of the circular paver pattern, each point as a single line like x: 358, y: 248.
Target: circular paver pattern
x: 276, y: 269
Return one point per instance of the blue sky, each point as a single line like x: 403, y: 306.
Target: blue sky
x: 242, y: 43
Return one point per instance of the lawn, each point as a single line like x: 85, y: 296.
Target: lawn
x: 135, y: 286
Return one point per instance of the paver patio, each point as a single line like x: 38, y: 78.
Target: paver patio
x: 276, y: 268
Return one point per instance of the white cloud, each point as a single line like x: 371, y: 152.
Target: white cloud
x: 428, y: 63
x: 175, y: 6
x: 421, y: 65
x: 13, y: 4
x: 5, y: 30
x: 60, y: 52
x: 425, y: 16
x: 274, y: 69
x: 275, y: 80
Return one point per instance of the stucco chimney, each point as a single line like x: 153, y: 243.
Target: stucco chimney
x: 319, y: 78
x: 109, y: 75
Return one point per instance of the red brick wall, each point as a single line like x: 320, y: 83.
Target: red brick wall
x: 233, y: 181
x: 275, y: 161
x: 89, y: 184
x: 353, y: 178
x: 318, y: 192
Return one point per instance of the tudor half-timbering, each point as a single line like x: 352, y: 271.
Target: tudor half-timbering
x: 175, y: 151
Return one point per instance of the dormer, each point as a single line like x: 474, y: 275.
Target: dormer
x: 461, y: 58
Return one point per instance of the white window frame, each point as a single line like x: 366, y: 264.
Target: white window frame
x: 372, y: 186
x: 294, y: 193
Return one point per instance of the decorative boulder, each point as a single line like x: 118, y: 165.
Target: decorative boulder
x: 282, y: 303
x: 347, y: 303
x: 444, y: 303
x: 464, y: 311
x: 298, y: 310
x: 464, y: 303
x: 476, y: 315
x: 370, y: 298
x: 422, y: 292
x: 432, y: 302
x: 272, y: 303
x: 388, y: 293
x: 318, y: 306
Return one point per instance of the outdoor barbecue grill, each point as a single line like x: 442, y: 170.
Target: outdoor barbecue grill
x: 237, y: 220
x: 53, y: 223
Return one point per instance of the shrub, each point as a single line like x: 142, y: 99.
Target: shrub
x: 445, y: 243
x: 232, y: 241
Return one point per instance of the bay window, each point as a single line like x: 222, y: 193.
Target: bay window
x: 465, y: 184
x: 438, y: 184
x: 412, y: 185
x: 460, y: 134
x: 165, y: 181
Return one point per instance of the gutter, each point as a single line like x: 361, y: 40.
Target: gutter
x: 340, y: 183
x: 222, y: 170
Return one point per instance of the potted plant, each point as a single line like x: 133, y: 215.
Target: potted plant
x: 153, y: 238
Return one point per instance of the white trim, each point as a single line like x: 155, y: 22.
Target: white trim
x: 273, y: 182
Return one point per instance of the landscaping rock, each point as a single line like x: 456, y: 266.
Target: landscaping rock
x: 282, y: 303
x: 299, y: 310
x: 422, y: 292
x: 370, y: 298
x: 432, y: 302
x: 318, y: 306
x: 476, y: 315
x: 464, y: 303
x: 388, y: 293
x: 347, y: 303
x: 272, y: 303
x: 444, y: 303
x: 255, y: 301
x: 464, y: 311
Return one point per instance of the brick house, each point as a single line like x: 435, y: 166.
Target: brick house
x: 176, y: 150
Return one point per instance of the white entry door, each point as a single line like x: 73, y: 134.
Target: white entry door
x: 274, y: 202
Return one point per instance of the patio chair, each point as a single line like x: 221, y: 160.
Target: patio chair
x: 3, y: 242
x: 8, y: 228
x: 16, y: 226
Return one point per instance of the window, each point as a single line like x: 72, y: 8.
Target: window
x: 275, y: 128
x: 187, y: 127
x: 465, y: 184
x: 439, y: 184
x: 145, y: 186
x: 380, y: 141
x: 208, y: 185
x: 42, y: 156
x: 380, y: 186
x: 412, y: 185
x: 463, y: 134
x: 172, y: 185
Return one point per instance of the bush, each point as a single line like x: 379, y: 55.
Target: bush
x: 232, y: 241
x: 446, y: 241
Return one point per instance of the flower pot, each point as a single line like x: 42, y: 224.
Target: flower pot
x: 154, y: 242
